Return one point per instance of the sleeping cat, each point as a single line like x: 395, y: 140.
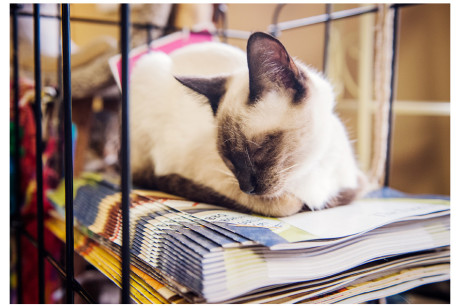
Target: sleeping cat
x: 255, y: 132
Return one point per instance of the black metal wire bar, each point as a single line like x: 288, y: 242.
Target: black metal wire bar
x: 327, y: 31
x: 59, y: 60
x: 16, y: 161
x: 60, y: 99
x: 386, y: 182
x: 274, y: 30
x: 77, y: 287
x: 38, y: 152
x: 293, y: 24
x: 125, y: 165
x: 238, y: 34
x: 100, y: 21
x: 149, y: 38
x: 226, y: 33
x: 68, y: 160
x: 222, y: 15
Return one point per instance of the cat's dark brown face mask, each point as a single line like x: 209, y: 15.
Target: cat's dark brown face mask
x: 261, y: 164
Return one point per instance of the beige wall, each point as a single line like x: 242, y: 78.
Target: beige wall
x: 421, y: 149
x: 420, y: 160
x: 82, y: 33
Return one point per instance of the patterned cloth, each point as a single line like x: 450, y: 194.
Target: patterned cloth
x: 28, y: 203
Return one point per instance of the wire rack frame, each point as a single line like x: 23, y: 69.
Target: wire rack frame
x: 67, y: 273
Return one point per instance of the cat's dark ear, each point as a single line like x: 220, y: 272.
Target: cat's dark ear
x: 270, y: 67
x: 212, y: 88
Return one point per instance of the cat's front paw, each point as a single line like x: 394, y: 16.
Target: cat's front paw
x: 281, y: 206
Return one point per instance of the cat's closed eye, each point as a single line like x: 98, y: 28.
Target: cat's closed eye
x: 266, y: 144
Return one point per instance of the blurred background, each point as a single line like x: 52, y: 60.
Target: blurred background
x: 421, y: 138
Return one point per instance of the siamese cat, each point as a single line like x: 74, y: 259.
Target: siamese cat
x: 252, y: 131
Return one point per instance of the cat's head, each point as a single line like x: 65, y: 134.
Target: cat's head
x: 271, y: 118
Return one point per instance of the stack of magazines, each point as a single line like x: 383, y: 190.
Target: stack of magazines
x: 372, y: 248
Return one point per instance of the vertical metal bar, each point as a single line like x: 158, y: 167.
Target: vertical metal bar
x: 59, y: 57
x: 17, y: 163
x: 39, y: 161
x: 326, y: 37
x: 274, y: 30
x: 149, y: 36
x: 60, y: 99
x: 68, y: 166
x: 223, y: 15
x: 386, y: 182
x: 125, y: 165
x: 365, y: 89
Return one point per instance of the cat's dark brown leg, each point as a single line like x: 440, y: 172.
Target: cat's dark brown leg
x: 344, y: 197
x: 229, y: 195
x: 178, y: 185
x: 283, y: 205
x: 145, y: 178
x: 348, y: 195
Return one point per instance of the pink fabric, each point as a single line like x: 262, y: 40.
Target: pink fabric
x: 168, y: 47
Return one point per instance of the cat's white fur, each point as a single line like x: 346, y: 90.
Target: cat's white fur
x: 176, y: 130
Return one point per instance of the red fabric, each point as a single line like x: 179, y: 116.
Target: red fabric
x: 29, y: 206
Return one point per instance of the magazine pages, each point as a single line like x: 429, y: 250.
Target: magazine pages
x: 207, y: 253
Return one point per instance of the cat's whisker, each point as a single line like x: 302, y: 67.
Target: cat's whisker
x: 227, y: 173
x: 231, y: 138
x: 249, y: 158
x: 228, y: 176
x: 232, y: 180
x: 288, y: 168
x: 253, y: 142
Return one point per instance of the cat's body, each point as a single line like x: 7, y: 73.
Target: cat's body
x: 264, y: 140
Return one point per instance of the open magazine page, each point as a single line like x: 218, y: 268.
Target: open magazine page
x: 356, y: 218
x: 303, y: 290
x: 386, y: 286
x: 145, y: 287
x: 249, y: 269
x: 363, y: 215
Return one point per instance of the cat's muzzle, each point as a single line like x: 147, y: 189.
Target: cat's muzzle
x: 252, y: 184
x: 248, y: 183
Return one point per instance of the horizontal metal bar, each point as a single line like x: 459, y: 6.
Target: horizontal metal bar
x: 302, y: 22
x: 415, y: 108
x: 238, y: 34
x: 293, y: 24
x: 97, y: 21
x: 76, y: 285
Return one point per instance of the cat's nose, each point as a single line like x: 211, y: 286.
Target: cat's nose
x: 248, y: 189
x: 248, y: 183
